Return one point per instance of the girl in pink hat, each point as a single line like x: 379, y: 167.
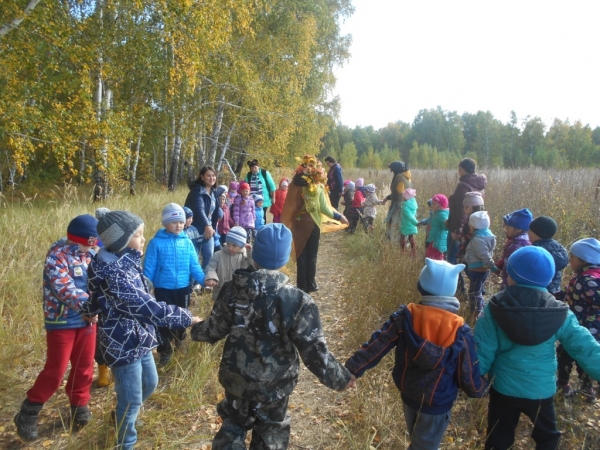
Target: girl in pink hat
x: 438, y: 235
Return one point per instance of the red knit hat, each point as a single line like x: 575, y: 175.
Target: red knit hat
x: 244, y: 185
x: 440, y: 199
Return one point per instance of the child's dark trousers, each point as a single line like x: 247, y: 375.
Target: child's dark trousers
x: 177, y: 297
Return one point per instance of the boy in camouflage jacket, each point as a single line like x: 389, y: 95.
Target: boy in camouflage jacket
x: 267, y: 323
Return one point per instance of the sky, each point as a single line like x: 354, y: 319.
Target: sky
x: 538, y: 58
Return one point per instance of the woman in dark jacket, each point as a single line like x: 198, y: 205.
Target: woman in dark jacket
x: 335, y: 181
x: 202, y: 201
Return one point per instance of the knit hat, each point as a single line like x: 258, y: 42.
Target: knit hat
x: 441, y: 199
x: 532, y: 266
x: 116, y: 229
x: 587, y: 249
x: 468, y: 164
x: 350, y: 186
x: 272, y: 246
x: 223, y: 188
x: 234, y: 186
x: 360, y: 182
x: 258, y: 198
x: 188, y: 212
x: 83, y: 230
x: 172, y: 213
x: 370, y: 187
x: 243, y: 185
x: 409, y: 193
x: 520, y: 219
x: 479, y: 220
x: 545, y: 227
x: 237, y: 236
x: 440, y: 278
x: 473, y: 199
x: 284, y: 183
x: 100, y: 212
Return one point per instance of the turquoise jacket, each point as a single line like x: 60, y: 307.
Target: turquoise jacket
x: 438, y: 233
x: 515, y: 338
x: 170, y: 260
x: 268, y: 186
x: 408, y: 221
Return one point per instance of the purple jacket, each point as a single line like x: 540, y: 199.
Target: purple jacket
x: 243, y: 211
x: 510, y: 246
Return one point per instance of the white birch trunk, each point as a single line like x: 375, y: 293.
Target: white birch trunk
x: 216, y: 130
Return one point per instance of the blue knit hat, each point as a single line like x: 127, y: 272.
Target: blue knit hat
x: 188, y: 212
x: 587, y: 249
x: 272, y: 246
x: 440, y: 278
x: 519, y: 219
x: 172, y: 213
x: 350, y: 186
x: 258, y: 198
x: 532, y: 266
x: 237, y: 236
x: 82, y: 230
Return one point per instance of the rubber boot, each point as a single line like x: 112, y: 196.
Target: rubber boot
x: 26, y: 420
x: 103, y: 375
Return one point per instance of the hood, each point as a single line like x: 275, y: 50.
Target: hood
x: 558, y: 252
x: 528, y: 316
x: 428, y: 334
x: 410, y: 205
x: 282, y: 180
x: 250, y: 283
x: 477, y: 181
x: 105, y: 260
x: 72, y: 249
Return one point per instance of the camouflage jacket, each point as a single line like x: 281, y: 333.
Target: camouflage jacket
x: 267, y: 323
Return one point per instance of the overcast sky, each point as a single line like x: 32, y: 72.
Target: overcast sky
x: 538, y: 58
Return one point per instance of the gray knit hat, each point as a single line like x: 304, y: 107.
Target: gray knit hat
x: 116, y: 228
x: 237, y: 236
x: 173, y: 213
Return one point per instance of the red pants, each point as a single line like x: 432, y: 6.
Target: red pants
x: 433, y: 253
x: 76, y: 345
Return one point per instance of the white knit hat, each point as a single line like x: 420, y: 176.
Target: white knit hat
x: 479, y: 220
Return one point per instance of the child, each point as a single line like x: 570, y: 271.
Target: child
x: 515, y: 337
x: 479, y: 257
x: 438, y: 233
x: 226, y: 222
x: 369, y: 207
x: 473, y: 202
x: 583, y: 297
x: 259, y: 213
x: 355, y: 209
x: 195, y: 236
x: 128, y: 314
x: 244, y: 210
x: 169, y: 262
x: 280, y: 196
x: 235, y: 255
x: 267, y: 323
x: 408, y: 220
x: 426, y: 222
x: 516, y: 225
x: 359, y: 184
x: 348, y: 198
x: 70, y: 337
x: 233, y: 192
x: 541, y: 231
x: 434, y: 355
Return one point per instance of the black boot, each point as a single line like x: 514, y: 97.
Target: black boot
x: 26, y: 420
x: 80, y: 416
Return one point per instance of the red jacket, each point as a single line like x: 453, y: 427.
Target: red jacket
x: 280, y: 196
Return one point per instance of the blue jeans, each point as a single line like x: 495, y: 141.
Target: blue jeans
x: 134, y: 383
x: 476, y: 281
x: 207, y: 248
x: 425, y: 430
x: 453, y: 246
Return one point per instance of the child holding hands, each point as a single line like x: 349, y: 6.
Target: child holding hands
x: 128, y: 317
x: 516, y: 225
x: 408, y: 220
x: 438, y: 233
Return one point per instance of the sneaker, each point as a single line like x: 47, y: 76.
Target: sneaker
x: 81, y: 416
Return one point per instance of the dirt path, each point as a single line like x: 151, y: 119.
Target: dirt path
x: 317, y: 412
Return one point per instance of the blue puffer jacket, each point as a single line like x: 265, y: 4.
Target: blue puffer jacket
x: 561, y: 259
x: 204, y: 207
x: 170, y: 260
x: 515, y: 338
x: 127, y: 312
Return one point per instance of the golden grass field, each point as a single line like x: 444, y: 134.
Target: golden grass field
x: 378, y: 276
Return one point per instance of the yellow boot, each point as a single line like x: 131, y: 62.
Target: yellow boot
x: 103, y: 375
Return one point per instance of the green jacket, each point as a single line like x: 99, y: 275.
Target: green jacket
x: 438, y: 233
x: 408, y: 217
x: 268, y: 185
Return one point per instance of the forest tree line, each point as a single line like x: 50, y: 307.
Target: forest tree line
x: 440, y: 139
x: 112, y: 91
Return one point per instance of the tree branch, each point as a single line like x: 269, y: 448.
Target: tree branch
x: 6, y: 28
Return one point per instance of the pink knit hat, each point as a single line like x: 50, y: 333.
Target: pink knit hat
x: 409, y: 193
x: 360, y: 182
x: 441, y: 200
x: 473, y: 199
x: 346, y: 182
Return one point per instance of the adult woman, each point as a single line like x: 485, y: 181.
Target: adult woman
x: 202, y: 201
x: 261, y: 183
x: 469, y: 181
x: 400, y: 182
x: 305, y: 205
x: 335, y: 181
